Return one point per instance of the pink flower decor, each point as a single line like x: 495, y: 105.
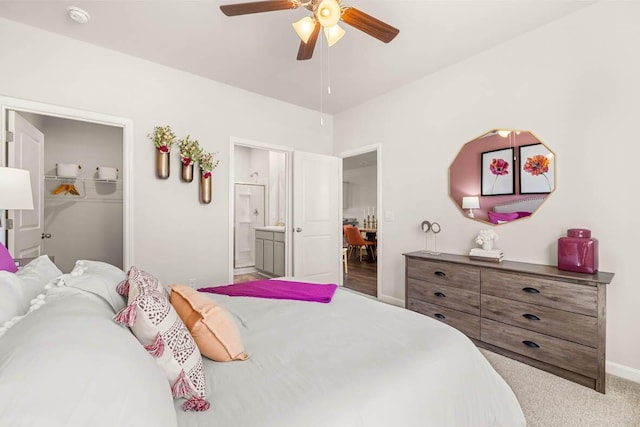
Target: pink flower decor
x: 538, y: 165
x: 190, y: 150
x: 163, y: 138
x: 499, y: 167
x: 206, y: 175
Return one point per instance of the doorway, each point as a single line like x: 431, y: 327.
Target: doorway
x: 259, y: 211
x: 94, y: 223
x: 360, y: 208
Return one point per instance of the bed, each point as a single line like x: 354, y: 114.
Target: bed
x: 515, y: 209
x: 352, y: 362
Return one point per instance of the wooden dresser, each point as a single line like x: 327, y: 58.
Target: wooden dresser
x: 545, y: 317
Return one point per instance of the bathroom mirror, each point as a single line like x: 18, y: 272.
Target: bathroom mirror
x: 502, y: 176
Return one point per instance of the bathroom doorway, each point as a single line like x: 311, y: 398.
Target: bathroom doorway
x: 259, y: 212
x: 250, y: 213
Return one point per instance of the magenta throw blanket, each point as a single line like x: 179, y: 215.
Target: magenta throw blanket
x: 277, y: 289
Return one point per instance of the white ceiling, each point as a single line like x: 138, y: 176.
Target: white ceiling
x: 258, y: 52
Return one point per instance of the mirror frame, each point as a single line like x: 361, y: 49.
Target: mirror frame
x: 467, y: 168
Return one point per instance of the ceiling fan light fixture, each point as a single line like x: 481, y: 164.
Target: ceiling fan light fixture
x: 333, y: 34
x: 328, y: 13
x: 304, y: 28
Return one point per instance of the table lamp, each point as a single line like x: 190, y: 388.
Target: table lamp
x: 15, y: 189
x: 471, y: 203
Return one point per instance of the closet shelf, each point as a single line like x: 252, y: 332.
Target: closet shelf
x: 57, y: 178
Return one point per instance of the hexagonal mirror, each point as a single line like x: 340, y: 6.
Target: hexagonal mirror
x: 502, y: 176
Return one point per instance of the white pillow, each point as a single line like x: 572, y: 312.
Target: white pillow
x: 17, y: 290
x: 67, y: 364
x: 36, y: 274
x: 11, y: 296
x: 99, y: 278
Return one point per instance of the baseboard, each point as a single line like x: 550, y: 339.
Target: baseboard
x: 244, y: 270
x: 622, y: 371
x: 391, y: 300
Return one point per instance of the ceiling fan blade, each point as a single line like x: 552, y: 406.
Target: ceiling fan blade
x: 306, y: 49
x: 257, y: 7
x: 370, y: 25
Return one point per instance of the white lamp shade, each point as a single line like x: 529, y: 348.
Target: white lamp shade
x: 328, y: 13
x: 15, y: 189
x: 470, y: 202
x: 304, y: 28
x: 333, y: 34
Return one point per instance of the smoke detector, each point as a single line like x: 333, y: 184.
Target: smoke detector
x: 78, y: 15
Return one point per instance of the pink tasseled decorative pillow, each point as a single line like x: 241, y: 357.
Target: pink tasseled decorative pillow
x: 136, y: 281
x: 210, y: 324
x: 6, y: 260
x: 157, y: 326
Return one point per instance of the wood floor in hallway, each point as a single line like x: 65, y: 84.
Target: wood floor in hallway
x: 362, y: 276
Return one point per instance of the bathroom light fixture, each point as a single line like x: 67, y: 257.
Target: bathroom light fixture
x: 78, y: 15
x: 471, y: 203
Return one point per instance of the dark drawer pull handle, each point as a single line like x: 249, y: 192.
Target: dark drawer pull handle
x: 530, y: 316
x: 530, y: 344
x: 531, y: 290
x: 440, y: 273
x: 439, y: 294
x: 440, y: 316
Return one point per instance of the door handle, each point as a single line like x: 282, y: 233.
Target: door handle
x: 46, y: 235
x: 298, y: 230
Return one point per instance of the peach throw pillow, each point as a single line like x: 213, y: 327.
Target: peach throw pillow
x: 211, y: 325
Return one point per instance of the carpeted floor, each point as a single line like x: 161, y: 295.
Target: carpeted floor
x: 550, y: 401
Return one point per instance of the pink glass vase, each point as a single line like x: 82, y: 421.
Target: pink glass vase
x: 578, y: 251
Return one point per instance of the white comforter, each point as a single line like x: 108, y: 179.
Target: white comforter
x: 353, y: 362
x: 69, y: 364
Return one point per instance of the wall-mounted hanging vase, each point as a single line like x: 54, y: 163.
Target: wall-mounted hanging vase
x: 187, y: 172
x: 162, y: 164
x: 205, y: 187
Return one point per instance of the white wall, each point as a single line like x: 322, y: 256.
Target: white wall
x: 175, y: 237
x: 361, y: 192
x: 574, y: 83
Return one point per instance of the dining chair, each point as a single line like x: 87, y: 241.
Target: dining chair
x: 345, y: 260
x: 355, y: 240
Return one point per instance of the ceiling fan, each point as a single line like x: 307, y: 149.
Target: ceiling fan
x: 326, y: 14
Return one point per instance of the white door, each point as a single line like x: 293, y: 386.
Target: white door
x: 317, y: 226
x: 27, y: 152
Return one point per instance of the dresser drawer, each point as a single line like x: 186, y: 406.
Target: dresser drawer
x: 574, y: 327
x: 567, y: 355
x: 572, y: 297
x: 464, y: 322
x: 447, y: 296
x: 465, y: 277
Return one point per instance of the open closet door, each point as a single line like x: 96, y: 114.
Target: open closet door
x: 317, y: 227
x: 26, y: 151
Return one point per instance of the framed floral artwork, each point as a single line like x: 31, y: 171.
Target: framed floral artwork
x: 537, y: 169
x: 497, y: 172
